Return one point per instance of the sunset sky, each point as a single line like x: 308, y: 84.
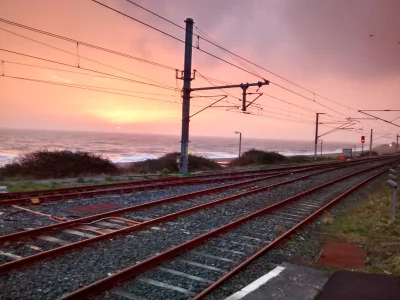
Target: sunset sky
x: 347, y: 51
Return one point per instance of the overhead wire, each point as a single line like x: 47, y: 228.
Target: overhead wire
x: 80, y: 73
x: 157, y: 64
x: 87, y: 44
x: 211, y: 41
x: 208, y: 39
x: 80, y: 56
x: 87, y: 69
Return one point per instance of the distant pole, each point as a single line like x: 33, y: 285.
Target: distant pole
x: 316, y: 135
x: 321, y: 146
x: 187, y: 77
x: 397, y: 142
x: 240, y: 142
x: 370, y: 143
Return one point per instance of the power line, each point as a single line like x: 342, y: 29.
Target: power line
x: 312, y: 100
x: 174, y: 37
x: 87, y: 69
x: 82, y: 87
x: 213, y: 42
x: 87, y: 44
x: 80, y: 56
x: 238, y: 67
x: 244, y: 59
x: 208, y: 79
x: 80, y: 73
x: 232, y: 56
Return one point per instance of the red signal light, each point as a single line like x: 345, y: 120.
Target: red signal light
x: 362, y: 139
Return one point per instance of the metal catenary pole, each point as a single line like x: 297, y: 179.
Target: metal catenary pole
x: 370, y: 143
x: 316, y: 134
x: 184, y: 159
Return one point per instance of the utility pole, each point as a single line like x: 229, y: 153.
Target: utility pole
x: 316, y: 134
x: 187, y: 77
x: 186, y: 90
x: 397, y: 142
x: 370, y: 143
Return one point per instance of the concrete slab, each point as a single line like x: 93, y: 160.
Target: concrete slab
x: 285, y: 282
x: 346, y: 285
x: 343, y: 255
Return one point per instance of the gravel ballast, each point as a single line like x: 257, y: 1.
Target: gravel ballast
x: 50, y: 279
x: 23, y: 220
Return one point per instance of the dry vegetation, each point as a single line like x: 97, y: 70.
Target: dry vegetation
x: 370, y: 225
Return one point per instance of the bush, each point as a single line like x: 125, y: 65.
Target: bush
x: 57, y: 164
x: 257, y: 157
x: 167, y: 164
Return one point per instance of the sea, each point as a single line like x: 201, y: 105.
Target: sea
x: 131, y: 147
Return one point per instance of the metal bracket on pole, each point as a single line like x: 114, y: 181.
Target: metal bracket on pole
x: 182, y: 74
x: 243, y: 86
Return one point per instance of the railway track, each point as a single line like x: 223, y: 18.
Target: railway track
x: 106, y: 225
x: 195, y: 268
x: 103, y: 229
x: 17, y: 198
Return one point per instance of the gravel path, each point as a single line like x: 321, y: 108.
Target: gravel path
x: 50, y: 279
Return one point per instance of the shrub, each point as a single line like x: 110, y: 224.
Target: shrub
x: 257, y: 157
x: 168, y: 164
x: 57, y: 164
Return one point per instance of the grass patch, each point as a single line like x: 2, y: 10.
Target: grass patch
x: 32, y: 186
x: 57, y: 164
x: 370, y: 224
x: 167, y: 164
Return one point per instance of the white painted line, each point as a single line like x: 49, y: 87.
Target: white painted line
x: 10, y: 255
x: 256, y: 284
x: 166, y: 286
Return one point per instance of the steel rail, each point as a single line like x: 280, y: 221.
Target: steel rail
x: 137, y: 269
x: 13, y: 195
x: 279, y: 239
x: 62, y: 225
x: 46, y: 254
x: 26, y: 194
x: 55, y: 196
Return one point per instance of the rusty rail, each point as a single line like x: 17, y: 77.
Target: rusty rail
x: 137, y: 269
x: 54, y: 195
